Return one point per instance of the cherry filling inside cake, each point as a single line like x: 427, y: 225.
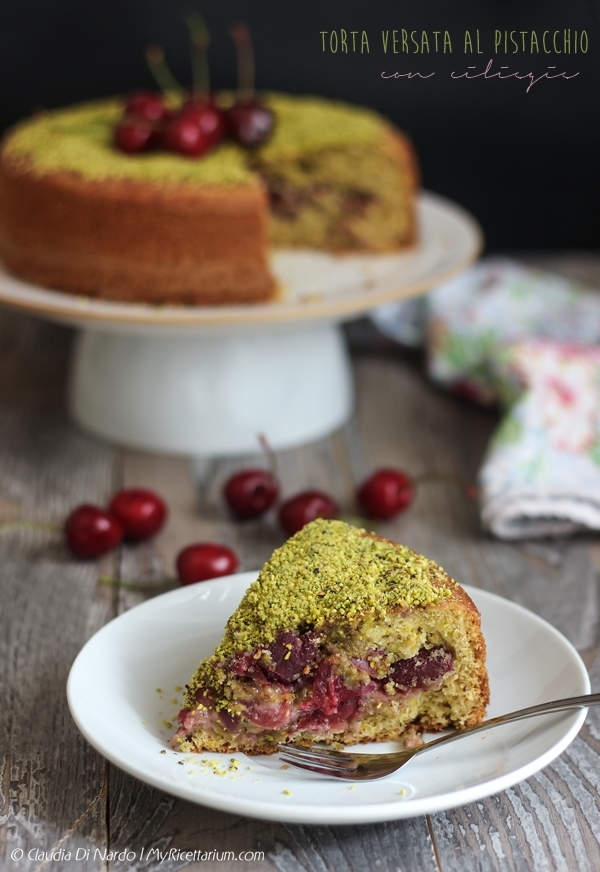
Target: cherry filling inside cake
x: 345, y: 637
x: 298, y: 688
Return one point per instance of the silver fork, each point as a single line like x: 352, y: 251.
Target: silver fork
x: 366, y: 767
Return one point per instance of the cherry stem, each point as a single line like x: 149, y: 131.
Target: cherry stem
x: 245, y: 57
x: 269, y: 454
x: 165, y: 584
x: 200, y: 41
x: 28, y: 525
x: 164, y: 78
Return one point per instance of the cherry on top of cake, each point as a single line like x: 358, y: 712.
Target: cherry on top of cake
x: 79, y: 140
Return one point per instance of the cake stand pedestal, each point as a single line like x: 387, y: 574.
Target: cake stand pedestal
x: 211, y: 380
x: 213, y: 395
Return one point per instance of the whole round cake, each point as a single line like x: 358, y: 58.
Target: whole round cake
x: 79, y: 215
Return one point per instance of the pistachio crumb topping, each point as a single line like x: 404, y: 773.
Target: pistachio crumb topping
x: 328, y: 573
x: 79, y: 139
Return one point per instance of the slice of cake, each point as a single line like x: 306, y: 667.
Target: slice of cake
x: 79, y: 215
x: 345, y: 637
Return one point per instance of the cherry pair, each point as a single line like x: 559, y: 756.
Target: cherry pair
x: 133, y: 514
x: 383, y: 495
x: 251, y: 492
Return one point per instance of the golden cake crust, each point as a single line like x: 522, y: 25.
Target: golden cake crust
x: 131, y: 241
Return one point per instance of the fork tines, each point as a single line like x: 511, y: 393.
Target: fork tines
x: 318, y: 759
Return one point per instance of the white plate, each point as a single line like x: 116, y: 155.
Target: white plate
x: 316, y: 286
x: 113, y: 697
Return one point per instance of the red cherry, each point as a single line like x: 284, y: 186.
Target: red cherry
x: 249, y: 123
x: 184, y: 135
x: 205, y: 560
x: 386, y: 493
x: 135, y: 136
x: 90, y: 531
x: 147, y: 105
x: 304, y: 508
x: 251, y: 492
x: 208, y: 117
x: 141, y: 512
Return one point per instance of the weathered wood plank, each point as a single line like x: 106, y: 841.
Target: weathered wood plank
x: 34, y: 359
x: 53, y: 783
x: 399, y: 846
x: 146, y: 820
x: 549, y: 822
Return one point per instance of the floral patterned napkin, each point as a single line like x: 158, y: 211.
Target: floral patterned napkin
x: 507, y: 333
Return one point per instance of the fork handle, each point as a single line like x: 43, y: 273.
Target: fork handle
x: 544, y: 708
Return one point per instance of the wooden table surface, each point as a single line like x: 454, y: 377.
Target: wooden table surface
x: 57, y: 793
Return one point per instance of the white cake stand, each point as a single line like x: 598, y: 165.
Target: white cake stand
x: 211, y: 380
